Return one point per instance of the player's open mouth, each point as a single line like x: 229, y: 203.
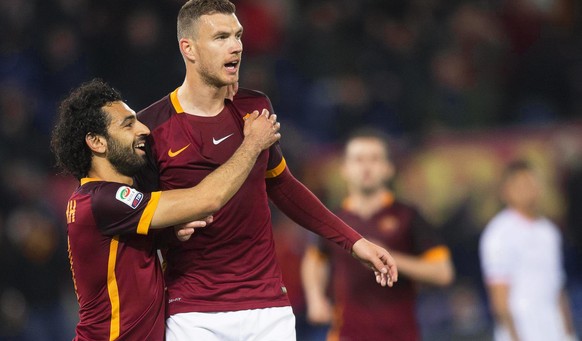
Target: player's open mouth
x: 232, y: 66
x: 140, y: 146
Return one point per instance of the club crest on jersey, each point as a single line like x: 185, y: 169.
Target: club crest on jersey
x: 129, y: 196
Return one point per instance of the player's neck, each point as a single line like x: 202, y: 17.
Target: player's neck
x: 102, y: 169
x: 201, y: 99
x: 530, y: 213
x: 365, y: 205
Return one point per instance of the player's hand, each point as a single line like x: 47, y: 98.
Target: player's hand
x: 231, y: 90
x: 378, y: 259
x: 261, y: 130
x: 185, y: 231
x: 319, y: 311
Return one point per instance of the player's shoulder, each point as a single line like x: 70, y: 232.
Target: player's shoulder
x: 247, y: 100
x: 500, y: 226
x: 107, y: 194
x: 249, y: 94
x: 156, y: 113
x: 404, y: 207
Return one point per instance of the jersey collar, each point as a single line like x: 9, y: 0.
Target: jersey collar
x: 87, y: 180
x: 176, y: 102
x: 387, y: 198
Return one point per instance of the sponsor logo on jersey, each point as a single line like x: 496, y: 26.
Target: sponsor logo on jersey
x: 129, y: 196
x: 388, y: 224
x: 172, y: 300
x: 174, y: 154
x: 215, y: 141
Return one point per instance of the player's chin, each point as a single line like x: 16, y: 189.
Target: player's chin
x: 231, y: 77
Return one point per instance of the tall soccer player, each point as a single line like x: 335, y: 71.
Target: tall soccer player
x: 361, y: 311
x: 117, y: 276
x: 225, y: 282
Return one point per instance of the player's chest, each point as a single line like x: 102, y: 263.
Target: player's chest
x: 197, y: 142
x: 527, y: 243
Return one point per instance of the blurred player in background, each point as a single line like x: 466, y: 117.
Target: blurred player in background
x: 521, y: 259
x: 225, y: 282
x: 117, y: 276
x: 360, y: 311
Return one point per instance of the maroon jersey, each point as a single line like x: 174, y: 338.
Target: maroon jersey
x: 117, y: 276
x: 230, y: 264
x: 365, y: 310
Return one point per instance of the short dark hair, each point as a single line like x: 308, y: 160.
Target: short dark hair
x: 194, y: 9
x: 515, y: 167
x: 79, y: 114
x: 370, y: 133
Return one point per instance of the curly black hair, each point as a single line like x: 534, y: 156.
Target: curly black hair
x: 79, y: 114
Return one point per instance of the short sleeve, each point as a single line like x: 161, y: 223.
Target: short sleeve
x: 119, y: 209
x: 494, y: 251
x: 424, y: 235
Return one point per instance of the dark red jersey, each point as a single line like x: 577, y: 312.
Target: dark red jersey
x: 365, y: 310
x: 230, y: 264
x: 117, y: 276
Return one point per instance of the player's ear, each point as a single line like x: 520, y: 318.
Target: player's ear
x: 187, y: 49
x: 97, y: 143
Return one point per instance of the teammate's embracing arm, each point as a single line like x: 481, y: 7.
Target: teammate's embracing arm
x: 184, y: 205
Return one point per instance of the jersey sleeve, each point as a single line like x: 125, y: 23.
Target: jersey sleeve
x: 276, y: 163
x: 495, y: 254
x: 119, y: 209
x: 304, y: 208
x: 427, y: 242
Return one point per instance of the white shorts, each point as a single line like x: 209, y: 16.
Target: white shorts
x: 268, y: 324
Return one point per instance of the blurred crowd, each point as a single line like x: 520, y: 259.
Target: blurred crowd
x: 462, y: 87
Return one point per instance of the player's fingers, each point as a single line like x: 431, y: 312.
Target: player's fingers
x: 265, y: 113
x: 390, y: 263
x: 185, y: 231
x: 209, y: 219
x: 254, y: 115
x: 194, y: 224
x: 379, y: 265
x: 393, y: 272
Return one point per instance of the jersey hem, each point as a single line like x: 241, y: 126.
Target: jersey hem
x: 217, y: 307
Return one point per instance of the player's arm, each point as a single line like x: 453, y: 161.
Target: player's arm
x: 184, y: 205
x: 303, y: 207
x: 499, y: 300
x: 496, y: 258
x: 432, y: 267
x: 430, y: 261
x: 315, y: 279
x: 567, y: 315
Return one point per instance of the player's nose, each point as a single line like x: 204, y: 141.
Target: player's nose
x: 142, y: 129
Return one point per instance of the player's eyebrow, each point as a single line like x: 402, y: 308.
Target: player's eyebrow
x: 228, y: 33
x: 127, y: 119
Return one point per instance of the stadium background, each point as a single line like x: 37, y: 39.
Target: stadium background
x: 461, y: 87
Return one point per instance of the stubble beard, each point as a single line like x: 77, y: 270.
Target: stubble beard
x: 211, y: 79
